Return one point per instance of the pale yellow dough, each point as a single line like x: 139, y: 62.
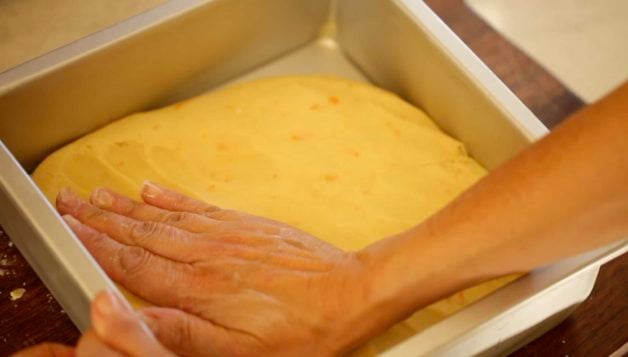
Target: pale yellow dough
x: 343, y: 160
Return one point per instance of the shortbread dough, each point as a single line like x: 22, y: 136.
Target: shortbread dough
x: 343, y: 160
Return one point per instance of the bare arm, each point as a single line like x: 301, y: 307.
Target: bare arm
x: 564, y: 195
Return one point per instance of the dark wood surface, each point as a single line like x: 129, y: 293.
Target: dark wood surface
x: 597, y: 328
x: 540, y: 91
x: 36, y: 316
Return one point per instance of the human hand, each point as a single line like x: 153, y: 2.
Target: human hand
x: 117, y: 331
x: 46, y: 350
x: 226, y: 282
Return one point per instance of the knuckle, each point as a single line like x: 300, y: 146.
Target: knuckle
x: 175, y: 217
x: 129, y: 207
x: 144, y: 230
x: 183, y: 334
x: 91, y: 214
x: 133, y: 261
x: 99, y: 237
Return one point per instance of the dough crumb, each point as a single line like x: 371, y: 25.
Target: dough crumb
x: 17, y: 294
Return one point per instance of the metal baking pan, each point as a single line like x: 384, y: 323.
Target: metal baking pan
x: 186, y: 47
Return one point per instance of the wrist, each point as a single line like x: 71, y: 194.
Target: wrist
x: 403, y: 273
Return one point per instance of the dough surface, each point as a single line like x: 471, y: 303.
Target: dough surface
x: 343, y: 160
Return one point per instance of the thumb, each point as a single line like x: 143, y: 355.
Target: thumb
x: 117, y: 325
x: 187, y: 334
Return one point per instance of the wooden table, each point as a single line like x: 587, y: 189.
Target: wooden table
x: 597, y: 328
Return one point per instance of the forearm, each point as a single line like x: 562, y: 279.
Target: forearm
x: 566, y: 194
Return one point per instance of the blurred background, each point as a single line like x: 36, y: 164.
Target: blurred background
x: 30, y: 28
x: 583, y: 43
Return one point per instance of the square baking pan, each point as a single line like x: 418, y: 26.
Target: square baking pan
x: 187, y: 47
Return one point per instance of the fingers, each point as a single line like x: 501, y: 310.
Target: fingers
x: 189, y: 335
x: 192, y: 222
x: 90, y: 345
x: 145, y: 274
x: 171, y: 200
x: 46, y: 350
x: 114, y: 202
x: 161, y: 239
x: 120, y: 328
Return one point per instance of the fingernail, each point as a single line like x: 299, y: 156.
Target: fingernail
x: 102, y: 198
x: 71, y: 221
x: 150, y: 189
x: 110, y: 305
x: 67, y: 198
x: 106, y: 309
